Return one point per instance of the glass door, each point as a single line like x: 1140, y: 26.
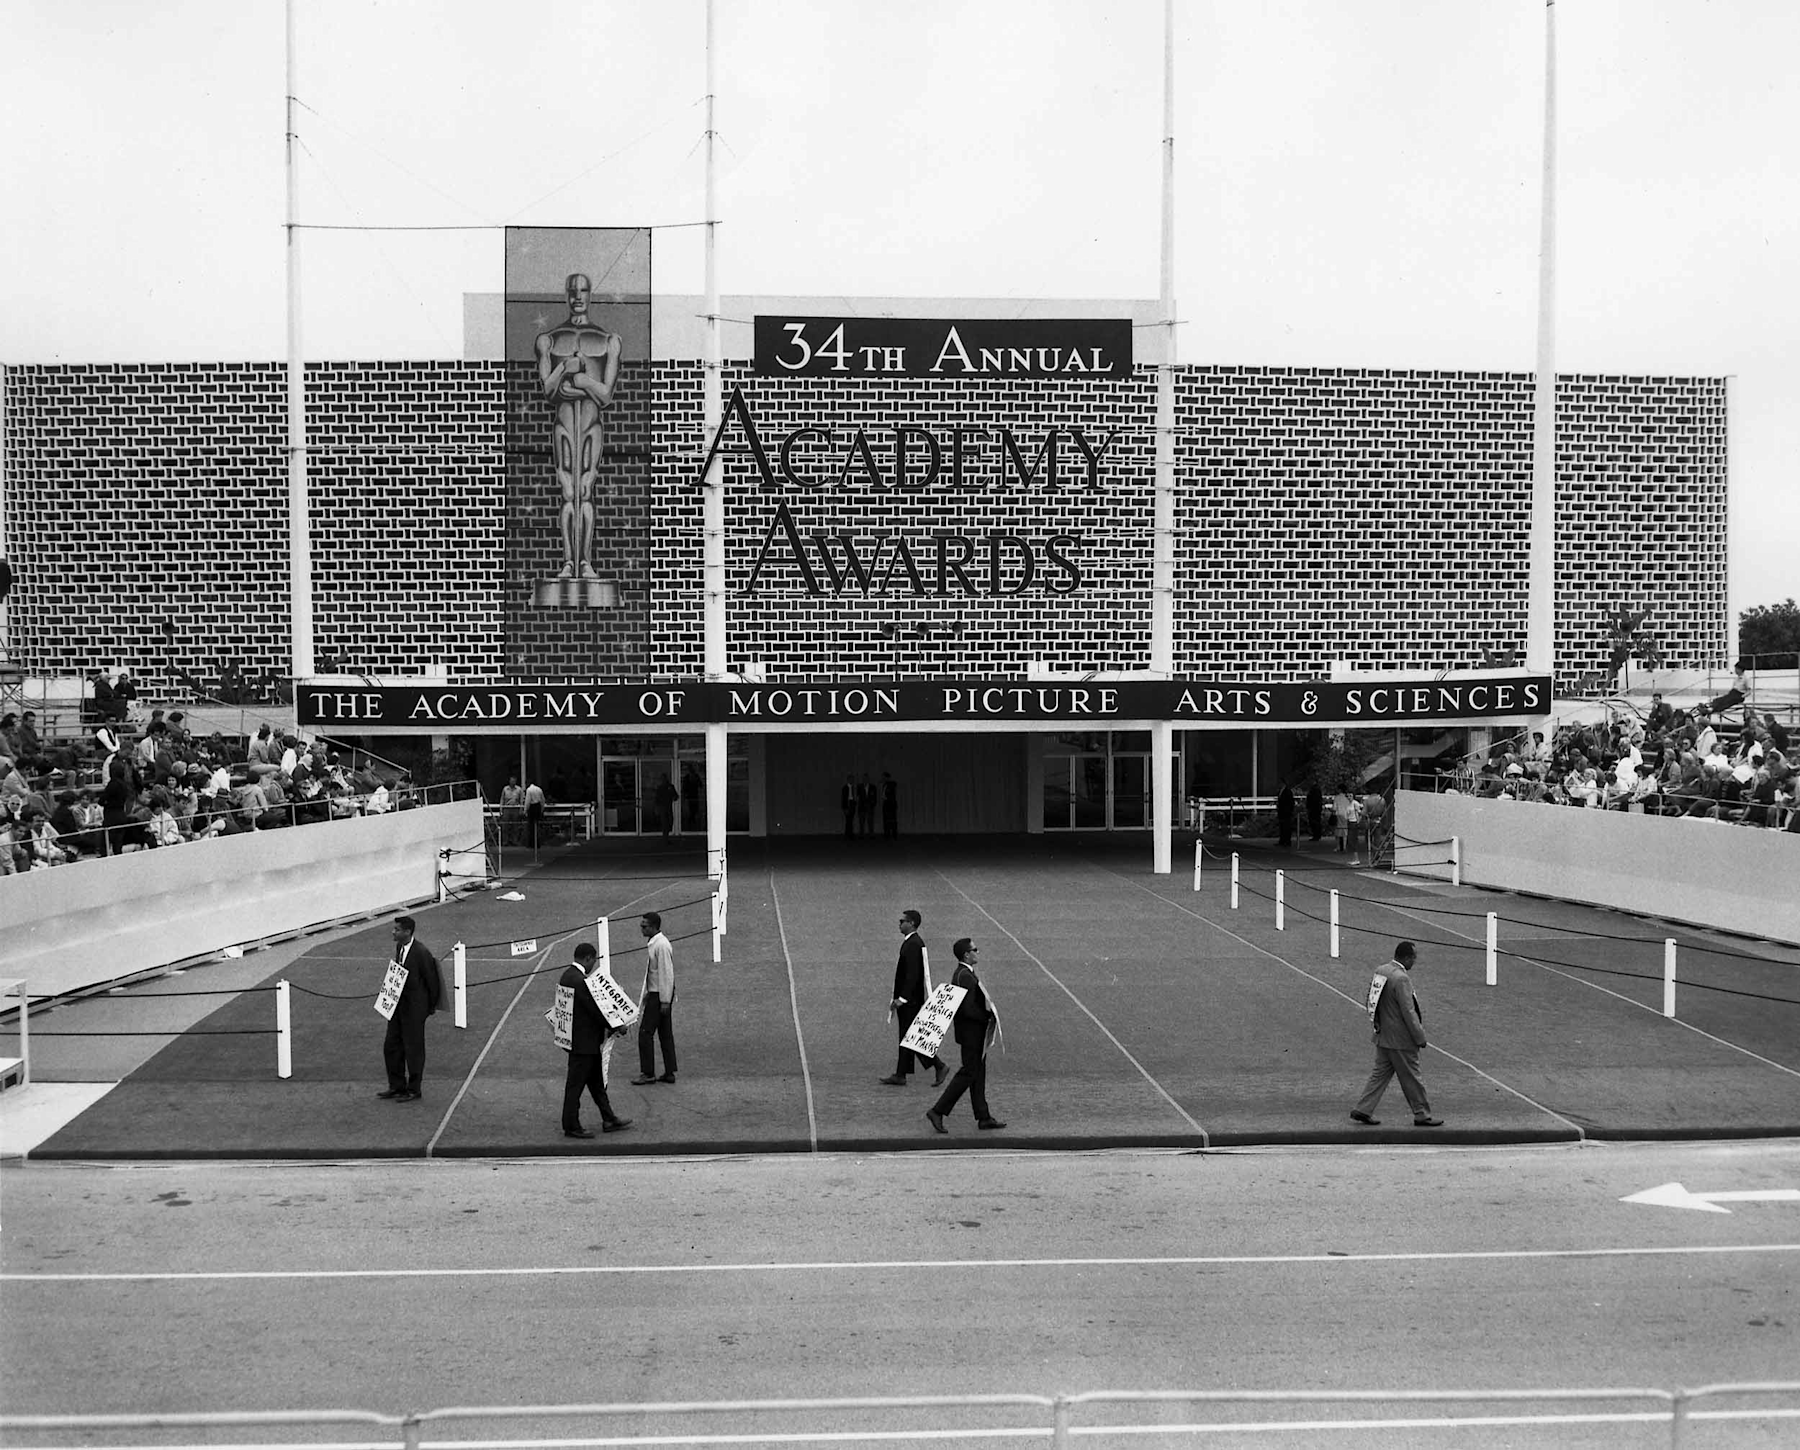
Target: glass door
x: 619, y: 797
x: 1090, y: 780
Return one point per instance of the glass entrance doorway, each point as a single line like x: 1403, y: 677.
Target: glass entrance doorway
x: 1100, y: 782
x: 654, y: 786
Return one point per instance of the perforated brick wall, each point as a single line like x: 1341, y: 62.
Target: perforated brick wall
x: 1377, y: 517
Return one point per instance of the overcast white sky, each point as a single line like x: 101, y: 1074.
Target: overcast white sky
x: 1356, y: 179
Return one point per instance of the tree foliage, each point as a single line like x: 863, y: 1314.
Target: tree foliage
x: 1770, y: 635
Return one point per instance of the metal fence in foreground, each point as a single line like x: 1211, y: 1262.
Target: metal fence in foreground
x: 1059, y: 1419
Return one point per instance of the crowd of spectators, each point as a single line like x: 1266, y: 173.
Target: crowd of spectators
x: 127, y: 788
x: 1717, y: 761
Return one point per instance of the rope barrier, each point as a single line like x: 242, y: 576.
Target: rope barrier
x: 38, y: 1033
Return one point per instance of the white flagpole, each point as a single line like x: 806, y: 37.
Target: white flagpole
x: 299, y: 519
x: 1540, y: 646
x: 713, y: 493
x: 1162, y: 600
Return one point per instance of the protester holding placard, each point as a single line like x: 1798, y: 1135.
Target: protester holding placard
x: 413, y: 990
x: 588, y: 1034
x: 912, y: 984
x: 975, y: 1026
x: 1399, y: 1032
x: 657, y: 1002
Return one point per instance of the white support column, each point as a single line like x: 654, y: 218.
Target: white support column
x: 300, y: 610
x: 712, y: 523
x: 1162, y: 798
x: 1540, y: 641
x: 717, y: 783
x: 1668, y: 976
x: 1493, y: 949
x: 284, y: 1031
x: 459, y: 975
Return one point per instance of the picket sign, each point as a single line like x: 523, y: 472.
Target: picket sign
x: 392, y: 985
x: 561, y: 1018
x: 614, y: 1001
x: 459, y: 974
x: 927, y: 1031
x: 1376, y: 983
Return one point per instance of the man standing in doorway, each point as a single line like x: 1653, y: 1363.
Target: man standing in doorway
x: 403, y: 1049
x: 865, y: 806
x: 890, y: 806
x: 1399, y: 1023
x: 589, y: 1039
x: 912, y: 984
x: 534, y: 814
x: 847, y: 802
x: 656, y: 1005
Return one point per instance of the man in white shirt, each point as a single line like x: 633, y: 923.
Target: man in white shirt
x: 656, y: 1022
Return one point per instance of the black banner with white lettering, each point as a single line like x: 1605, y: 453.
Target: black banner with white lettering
x: 928, y: 347
x: 508, y: 709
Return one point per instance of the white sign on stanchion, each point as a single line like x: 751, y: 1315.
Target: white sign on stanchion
x: 284, y: 1031
x: 1281, y: 901
x: 459, y: 976
x: 392, y: 985
x: 715, y: 925
x: 603, y: 943
x: 1234, y: 880
x: 561, y: 1018
x: 1493, y: 949
x: 927, y: 1032
x: 1668, y: 976
x: 1198, y: 853
x: 1334, y: 922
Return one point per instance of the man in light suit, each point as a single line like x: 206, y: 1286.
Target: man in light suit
x: 912, y: 984
x: 404, y: 1046
x: 1399, y: 1023
x: 588, y: 1034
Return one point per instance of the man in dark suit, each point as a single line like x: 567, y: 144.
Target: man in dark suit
x: 404, y: 1046
x: 975, y: 1026
x: 847, y: 801
x: 588, y: 1034
x: 912, y: 984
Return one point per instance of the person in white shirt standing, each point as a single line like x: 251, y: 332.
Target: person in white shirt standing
x: 656, y: 1007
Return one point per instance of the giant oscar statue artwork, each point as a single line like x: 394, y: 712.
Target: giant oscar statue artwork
x: 578, y: 366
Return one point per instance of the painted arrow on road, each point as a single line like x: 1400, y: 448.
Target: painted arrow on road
x: 1673, y: 1195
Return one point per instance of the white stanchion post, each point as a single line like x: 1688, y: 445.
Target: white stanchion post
x: 716, y: 932
x: 1198, y: 853
x: 1334, y: 922
x: 603, y: 942
x: 1234, y: 880
x: 1493, y: 949
x: 1456, y: 861
x: 459, y: 972
x: 1281, y: 901
x: 284, y: 1031
x: 1668, y: 976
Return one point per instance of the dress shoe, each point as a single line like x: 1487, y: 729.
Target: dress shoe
x: 1428, y: 1122
x: 667, y: 1077
x: 895, y: 1080
x: 409, y: 1096
x: 1366, y: 1119
x: 617, y: 1125
x: 640, y: 1081
x: 990, y: 1123
x: 392, y: 1093
x: 943, y: 1071
x: 578, y: 1132
x: 936, y: 1119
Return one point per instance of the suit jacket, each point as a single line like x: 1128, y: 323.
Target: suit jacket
x: 424, y: 990
x: 970, y: 1025
x: 909, y: 971
x: 1399, y: 1019
x: 589, y: 1029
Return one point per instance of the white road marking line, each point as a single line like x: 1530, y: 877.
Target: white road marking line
x: 1205, y: 1140
x: 1361, y: 1006
x: 812, y: 1122
x: 1421, y: 1256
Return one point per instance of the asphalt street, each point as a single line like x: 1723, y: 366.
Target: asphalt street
x: 398, y: 1286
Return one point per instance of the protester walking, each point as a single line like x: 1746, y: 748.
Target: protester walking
x: 912, y: 985
x: 590, y: 1041
x: 975, y: 1026
x: 1399, y: 1031
x: 656, y: 1005
x: 403, y: 1048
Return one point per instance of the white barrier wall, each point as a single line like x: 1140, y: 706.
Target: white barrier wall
x: 92, y: 922
x: 1706, y: 873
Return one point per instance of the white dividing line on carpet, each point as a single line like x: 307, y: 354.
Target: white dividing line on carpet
x: 863, y: 1266
x: 812, y: 1121
x: 1205, y: 1139
x: 1358, y: 1003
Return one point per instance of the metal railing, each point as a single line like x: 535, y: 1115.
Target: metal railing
x: 1058, y: 1418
